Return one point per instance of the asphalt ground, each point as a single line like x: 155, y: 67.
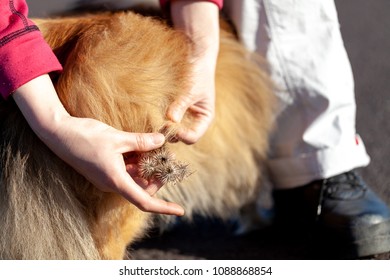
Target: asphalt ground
x: 365, y: 27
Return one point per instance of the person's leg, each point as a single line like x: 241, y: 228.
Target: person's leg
x: 315, y: 145
x: 315, y: 136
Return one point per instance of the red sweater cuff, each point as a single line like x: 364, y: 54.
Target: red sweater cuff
x: 23, y: 59
x: 219, y: 3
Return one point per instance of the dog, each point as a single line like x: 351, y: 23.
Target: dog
x: 124, y: 69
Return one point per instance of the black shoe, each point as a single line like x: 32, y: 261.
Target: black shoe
x: 345, y: 218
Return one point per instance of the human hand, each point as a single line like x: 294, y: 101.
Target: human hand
x: 199, y: 20
x: 103, y: 155
x: 198, y: 103
x: 97, y: 151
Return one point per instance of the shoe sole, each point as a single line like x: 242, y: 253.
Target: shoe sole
x: 374, y: 240
x: 352, y: 244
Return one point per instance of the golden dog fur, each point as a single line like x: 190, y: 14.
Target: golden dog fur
x: 125, y: 69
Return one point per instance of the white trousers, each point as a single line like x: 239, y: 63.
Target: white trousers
x: 315, y: 135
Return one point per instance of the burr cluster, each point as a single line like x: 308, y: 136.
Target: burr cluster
x: 160, y: 164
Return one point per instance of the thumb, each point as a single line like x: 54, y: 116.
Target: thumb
x: 177, y: 109
x: 142, y: 142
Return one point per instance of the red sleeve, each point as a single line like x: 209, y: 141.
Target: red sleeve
x: 219, y: 3
x: 24, y: 54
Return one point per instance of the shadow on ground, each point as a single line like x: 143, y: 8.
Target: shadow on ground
x: 214, y: 240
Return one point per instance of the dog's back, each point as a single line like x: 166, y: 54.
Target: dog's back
x: 125, y: 69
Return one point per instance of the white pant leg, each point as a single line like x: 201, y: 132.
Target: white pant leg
x: 315, y: 137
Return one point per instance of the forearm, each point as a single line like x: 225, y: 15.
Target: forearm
x: 199, y: 20
x: 41, y: 107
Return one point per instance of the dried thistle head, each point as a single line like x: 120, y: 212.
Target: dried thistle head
x: 166, y: 173
x: 162, y: 156
x: 147, y: 167
x: 160, y: 164
x: 182, y: 171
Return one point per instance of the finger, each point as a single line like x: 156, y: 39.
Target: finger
x: 192, y: 134
x: 144, y: 201
x: 151, y: 186
x: 142, y: 142
x: 169, y: 129
x: 178, y: 108
x: 151, y: 204
x: 163, y: 207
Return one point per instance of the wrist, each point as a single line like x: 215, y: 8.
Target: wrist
x: 199, y: 20
x: 41, y: 107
